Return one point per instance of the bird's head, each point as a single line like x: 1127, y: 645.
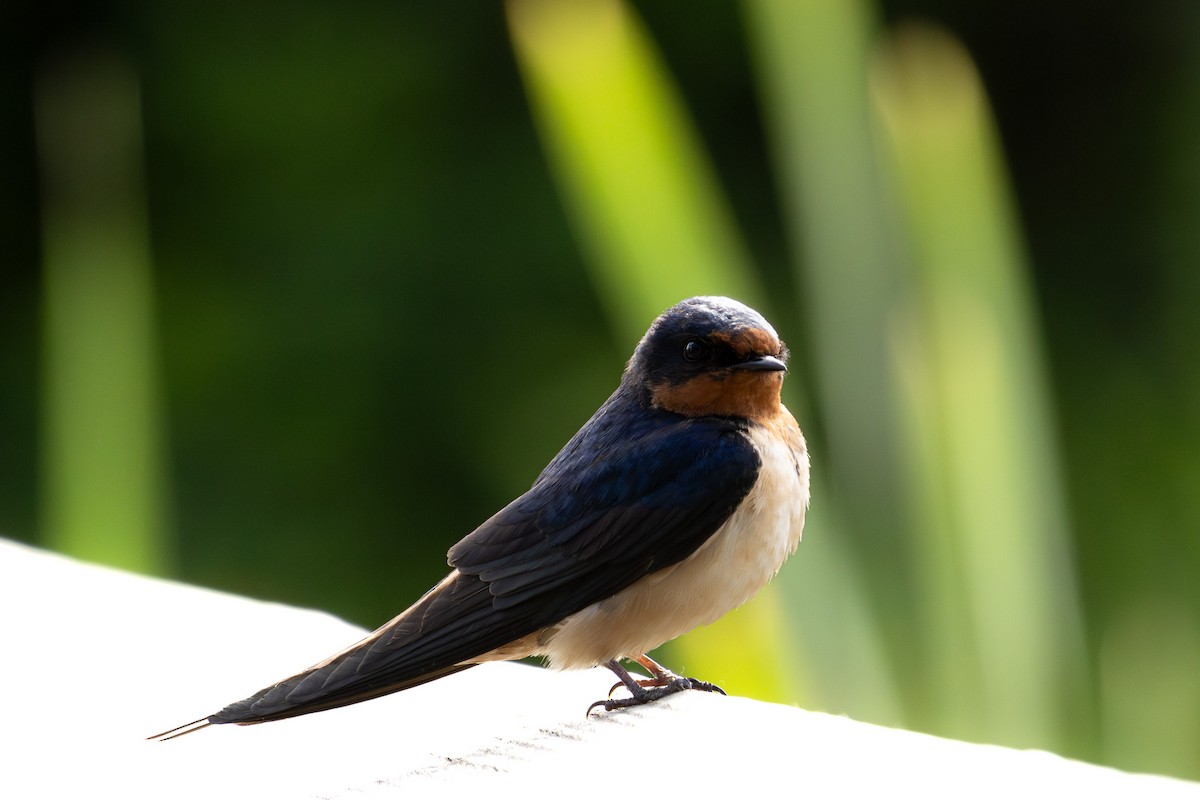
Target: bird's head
x: 710, y: 356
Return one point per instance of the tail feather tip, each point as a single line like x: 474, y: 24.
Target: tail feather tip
x: 182, y: 730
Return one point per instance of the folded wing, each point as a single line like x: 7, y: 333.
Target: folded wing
x: 597, y: 520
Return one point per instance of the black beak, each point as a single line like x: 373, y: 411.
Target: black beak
x: 762, y: 364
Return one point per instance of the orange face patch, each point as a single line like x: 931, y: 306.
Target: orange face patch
x: 752, y: 394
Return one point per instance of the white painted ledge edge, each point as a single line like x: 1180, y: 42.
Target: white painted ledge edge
x: 93, y: 660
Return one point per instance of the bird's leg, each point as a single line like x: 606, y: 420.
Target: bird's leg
x: 661, y: 675
x: 664, y: 676
x: 662, y: 683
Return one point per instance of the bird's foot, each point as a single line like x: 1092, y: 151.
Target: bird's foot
x: 647, y: 690
x: 650, y: 683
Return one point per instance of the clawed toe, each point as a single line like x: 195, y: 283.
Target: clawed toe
x: 705, y: 686
x: 604, y: 703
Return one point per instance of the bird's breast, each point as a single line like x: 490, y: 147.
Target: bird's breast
x: 725, y: 572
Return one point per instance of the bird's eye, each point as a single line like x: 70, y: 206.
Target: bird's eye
x: 695, y: 350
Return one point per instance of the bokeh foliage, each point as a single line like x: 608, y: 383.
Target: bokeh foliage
x: 323, y: 287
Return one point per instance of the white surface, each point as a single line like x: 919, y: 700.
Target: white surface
x: 93, y: 660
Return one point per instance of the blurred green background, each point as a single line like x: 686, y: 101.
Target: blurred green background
x: 296, y: 295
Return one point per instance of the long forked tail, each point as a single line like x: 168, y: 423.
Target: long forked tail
x: 240, y: 713
x: 442, y: 633
x: 263, y: 706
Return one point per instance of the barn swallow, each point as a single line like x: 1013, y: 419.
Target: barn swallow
x: 675, y: 503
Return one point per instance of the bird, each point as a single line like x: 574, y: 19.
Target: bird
x: 676, y: 502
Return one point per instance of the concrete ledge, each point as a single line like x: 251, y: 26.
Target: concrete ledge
x: 94, y: 660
